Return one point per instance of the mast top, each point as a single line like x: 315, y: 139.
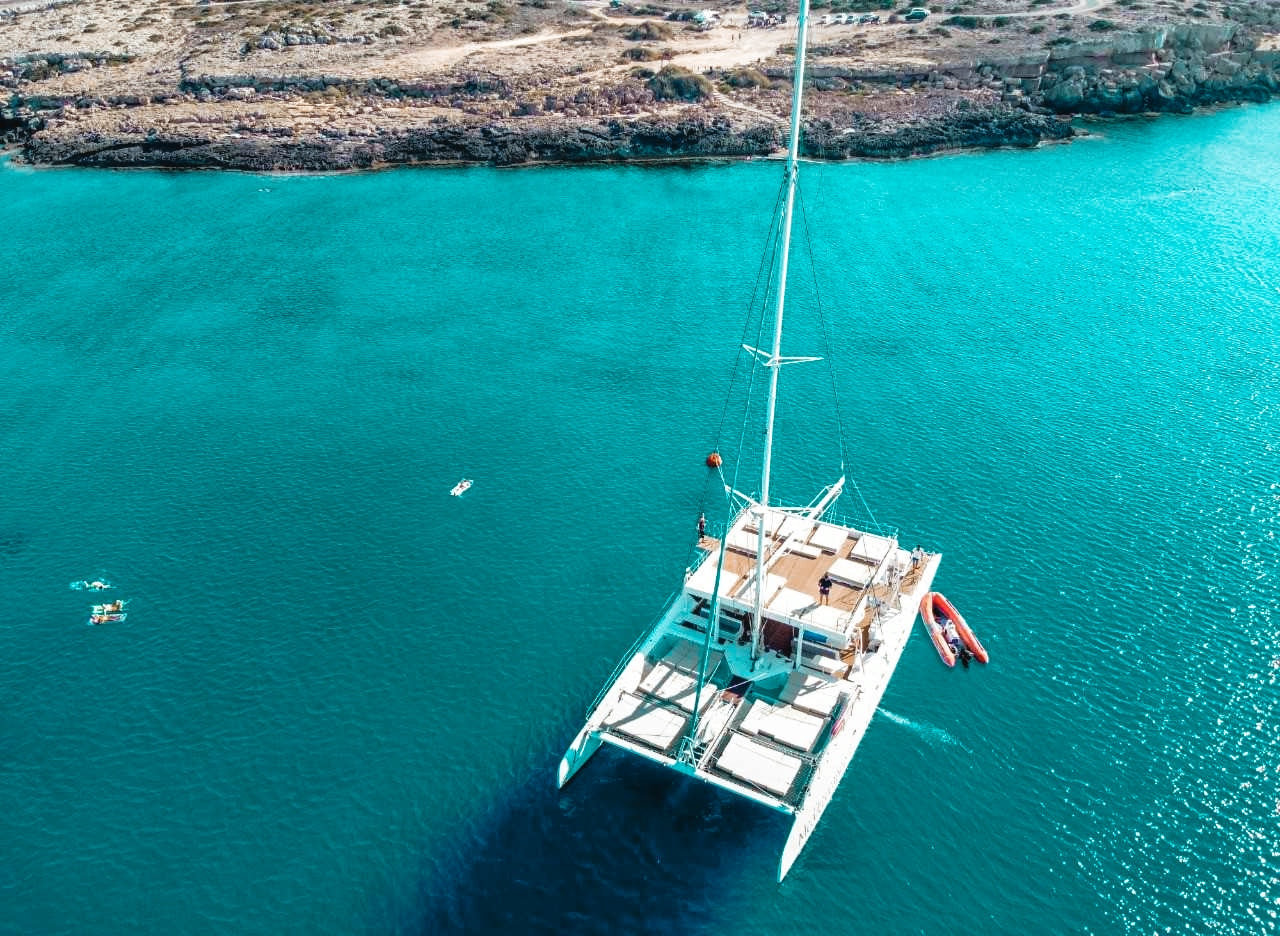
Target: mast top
x: 797, y: 86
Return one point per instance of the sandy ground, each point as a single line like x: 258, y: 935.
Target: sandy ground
x: 424, y: 61
x: 417, y: 38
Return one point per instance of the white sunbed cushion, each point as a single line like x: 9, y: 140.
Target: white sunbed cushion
x: 850, y: 572
x: 826, y: 618
x: 871, y: 548
x: 704, y: 579
x: 796, y: 728
x: 665, y: 682
x: 747, y: 591
x: 755, y: 717
x: 789, y: 601
x: 676, y: 687
x: 709, y: 693
x: 682, y: 655
x: 647, y: 722
x: 798, y: 527
x: 811, y: 693
x: 802, y: 549
x: 823, y: 663
x: 828, y: 537
x: 773, y: 521
x: 793, y: 728
x: 759, y: 765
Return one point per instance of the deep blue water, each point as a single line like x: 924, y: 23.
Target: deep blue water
x: 340, y: 695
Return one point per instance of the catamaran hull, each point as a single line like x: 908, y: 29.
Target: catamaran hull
x: 876, y: 674
x: 587, y: 741
x: 584, y: 745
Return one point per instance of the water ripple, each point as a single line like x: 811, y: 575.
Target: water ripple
x: 340, y: 694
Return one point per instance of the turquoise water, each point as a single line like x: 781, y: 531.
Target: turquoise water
x: 340, y: 695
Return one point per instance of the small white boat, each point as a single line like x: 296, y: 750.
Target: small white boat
x: 461, y: 487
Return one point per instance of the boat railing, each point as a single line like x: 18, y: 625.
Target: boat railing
x: 865, y: 525
x: 630, y: 654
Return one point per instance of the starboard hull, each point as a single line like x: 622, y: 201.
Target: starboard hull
x: 840, y: 753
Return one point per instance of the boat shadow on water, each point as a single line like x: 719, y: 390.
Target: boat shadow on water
x: 627, y: 847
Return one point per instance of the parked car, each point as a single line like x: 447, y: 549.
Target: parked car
x: 868, y: 18
x: 916, y: 14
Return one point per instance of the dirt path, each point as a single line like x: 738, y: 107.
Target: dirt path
x: 726, y: 102
x: 1087, y: 6
x: 729, y: 47
x: 425, y: 60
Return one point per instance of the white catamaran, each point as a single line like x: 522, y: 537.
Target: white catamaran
x: 763, y: 673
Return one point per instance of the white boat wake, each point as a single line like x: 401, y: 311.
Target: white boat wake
x: 928, y: 732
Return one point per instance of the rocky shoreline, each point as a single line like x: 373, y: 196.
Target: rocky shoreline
x: 691, y: 138
x: 266, y: 120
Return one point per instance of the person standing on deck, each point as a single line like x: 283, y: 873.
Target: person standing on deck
x: 824, y: 588
x: 917, y: 557
x: 702, y: 526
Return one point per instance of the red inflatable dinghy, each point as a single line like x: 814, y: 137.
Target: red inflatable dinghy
x: 935, y: 611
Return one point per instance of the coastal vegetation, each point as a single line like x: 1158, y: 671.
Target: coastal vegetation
x: 648, y: 31
x: 746, y: 78
x: 645, y: 54
x: 674, y: 83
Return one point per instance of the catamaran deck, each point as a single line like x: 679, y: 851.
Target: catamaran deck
x: 763, y: 725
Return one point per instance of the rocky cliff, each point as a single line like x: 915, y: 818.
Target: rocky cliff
x: 507, y: 144
x: 66, y: 108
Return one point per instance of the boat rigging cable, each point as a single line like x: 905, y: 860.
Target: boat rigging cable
x: 831, y: 369
x: 688, y: 746
x: 765, y: 273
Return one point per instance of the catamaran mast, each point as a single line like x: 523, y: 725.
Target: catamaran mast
x: 775, y: 359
